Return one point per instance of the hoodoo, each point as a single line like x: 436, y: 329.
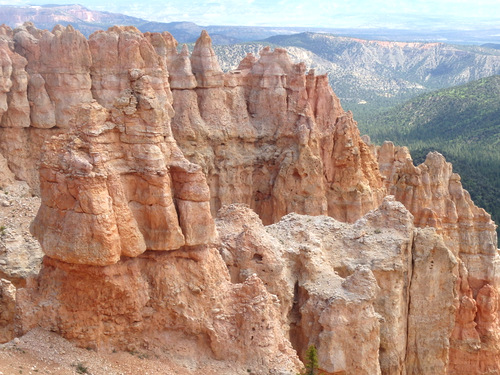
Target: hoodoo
x: 237, y: 215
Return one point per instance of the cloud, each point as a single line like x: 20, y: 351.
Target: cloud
x: 13, y: 2
x: 321, y: 13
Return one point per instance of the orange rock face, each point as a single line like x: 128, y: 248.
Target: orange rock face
x: 434, y: 195
x: 135, y: 146
x: 126, y: 216
x: 117, y: 176
x: 271, y: 136
x: 161, y: 299
x: 359, y: 292
x: 268, y: 134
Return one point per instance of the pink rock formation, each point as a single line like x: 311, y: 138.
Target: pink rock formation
x: 139, y: 145
x: 114, y: 185
x: 272, y: 137
x: 432, y: 305
x: 267, y: 113
x: 63, y: 60
x: 15, y: 144
x: 17, y: 114
x: 434, y: 195
x: 161, y: 299
x: 332, y: 279
x: 317, y: 305
x: 204, y: 63
x: 52, y: 94
x: 118, y: 177
x: 181, y: 74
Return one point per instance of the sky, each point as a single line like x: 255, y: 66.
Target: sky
x: 318, y: 13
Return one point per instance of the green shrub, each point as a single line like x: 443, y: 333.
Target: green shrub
x: 311, y: 361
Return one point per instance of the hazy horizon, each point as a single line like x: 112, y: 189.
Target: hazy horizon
x: 407, y: 14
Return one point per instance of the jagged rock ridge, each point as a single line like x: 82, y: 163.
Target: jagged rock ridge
x: 144, y: 144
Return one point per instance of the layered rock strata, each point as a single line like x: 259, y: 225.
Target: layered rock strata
x: 271, y: 135
x: 375, y: 297
x: 126, y: 216
x: 169, y: 300
x: 434, y: 195
x: 268, y: 134
x: 116, y: 175
x: 138, y: 145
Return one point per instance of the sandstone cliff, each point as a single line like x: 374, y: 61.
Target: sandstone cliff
x: 134, y: 147
x: 434, y: 195
x: 359, y: 292
x: 125, y: 216
x: 272, y: 136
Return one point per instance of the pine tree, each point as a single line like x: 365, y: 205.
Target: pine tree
x: 311, y: 360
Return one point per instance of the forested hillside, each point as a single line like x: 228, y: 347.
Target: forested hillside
x: 463, y: 123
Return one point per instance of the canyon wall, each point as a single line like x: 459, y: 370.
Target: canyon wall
x: 359, y: 292
x: 125, y: 220
x: 134, y: 147
x: 271, y: 135
x: 434, y: 194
